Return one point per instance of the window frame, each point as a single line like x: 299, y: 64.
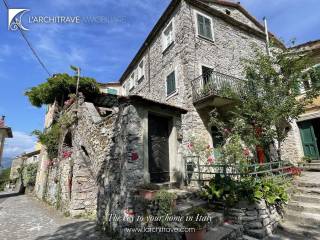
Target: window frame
x: 196, y: 13
x: 132, y: 81
x: 140, y: 73
x: 175, y: 92
x: 165, y: 46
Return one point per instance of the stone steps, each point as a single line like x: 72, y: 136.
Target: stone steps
x: 303, y: 217
x: 224, y: 232
x: 308, y: 184
x: 313, y: 166
x: 304, y: 207
x: 306, y: 190
x: 298, y: 231
x: 306, y: 198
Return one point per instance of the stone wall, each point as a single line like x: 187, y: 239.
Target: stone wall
x: 259, y: 220
x: 186, y: 56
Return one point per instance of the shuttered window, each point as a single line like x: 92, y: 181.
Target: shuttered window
x: 171, y: 83
x: 204, y: 26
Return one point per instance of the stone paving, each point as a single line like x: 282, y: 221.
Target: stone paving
x: 25, y: 218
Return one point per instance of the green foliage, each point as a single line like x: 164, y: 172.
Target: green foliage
x: 4, y: 178
x: 50, y: 138
x: 196, y: 218
x: 30, y: 174
x: 270, y: 98
x: 59, y: 87
x: 229, y: 191
x: 164, y: 200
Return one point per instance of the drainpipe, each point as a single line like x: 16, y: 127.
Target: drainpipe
x: 267, y: 35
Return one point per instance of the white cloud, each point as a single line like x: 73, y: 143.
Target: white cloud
x: 20, y: 143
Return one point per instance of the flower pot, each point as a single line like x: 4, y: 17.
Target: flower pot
x: 197, y: 235
x: 148, y: 194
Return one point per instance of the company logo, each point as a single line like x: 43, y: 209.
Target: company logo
x: 15, y: 19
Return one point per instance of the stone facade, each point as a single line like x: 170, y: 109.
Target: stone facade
x: 5, y: 132
x: 292, y: 149
x: 259, y: 220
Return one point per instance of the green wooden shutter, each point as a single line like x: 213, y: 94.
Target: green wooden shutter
x: 171, y: 83
x: 201, y: 27
x: 309, y: 140
x: 208, y: 32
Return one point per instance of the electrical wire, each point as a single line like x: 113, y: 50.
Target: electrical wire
x: 29, y: 44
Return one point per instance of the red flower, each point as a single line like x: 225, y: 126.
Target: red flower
x: 134, y: 156
x: 66, y: 154
x: 190, y: 146
x: 210, y: 159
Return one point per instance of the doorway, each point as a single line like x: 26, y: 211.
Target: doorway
x: 158, y: 145
x: 310, y: 137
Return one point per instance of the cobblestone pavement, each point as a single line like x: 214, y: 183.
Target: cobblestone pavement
x: 25, y: 218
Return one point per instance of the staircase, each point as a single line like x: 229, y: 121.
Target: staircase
x: 217, y: 228
x: 302, y: 215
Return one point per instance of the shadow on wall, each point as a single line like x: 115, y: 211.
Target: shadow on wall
x: 85, y: 230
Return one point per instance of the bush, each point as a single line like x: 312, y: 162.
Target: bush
x: 225, y: 189
x: 4, y: 178
x: 197, y: 218
x: 30, y: 174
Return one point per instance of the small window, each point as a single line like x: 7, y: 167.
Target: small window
x: 167, y: 36
x: 171, y: 83
x: 140, y: 70
x: 204, y: 26
x: 132, y: 81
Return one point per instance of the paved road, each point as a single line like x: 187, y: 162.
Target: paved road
x: 24, y: 218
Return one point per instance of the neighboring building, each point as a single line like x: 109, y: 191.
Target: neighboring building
x: 164, y: 97
x: 304, y: 134
x: 5, y: 132
x: 111, y: 88
x: 21, y: 163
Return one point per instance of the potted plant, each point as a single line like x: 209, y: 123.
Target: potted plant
x: 148, y: 191
x: 197, y: 219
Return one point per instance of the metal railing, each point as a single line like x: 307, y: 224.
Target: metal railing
x: 195, y: 171
x: 214, y: 84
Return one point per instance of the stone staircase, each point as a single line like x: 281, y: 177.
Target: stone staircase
x: 313, y: 166
x: 217, y: 229
x: 302, y: 215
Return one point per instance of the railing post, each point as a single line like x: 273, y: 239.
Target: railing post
x: 199, y: 177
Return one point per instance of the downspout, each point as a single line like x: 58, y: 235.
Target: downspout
x: 267, y: 35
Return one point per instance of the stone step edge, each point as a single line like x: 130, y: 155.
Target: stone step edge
x: 225, y: 231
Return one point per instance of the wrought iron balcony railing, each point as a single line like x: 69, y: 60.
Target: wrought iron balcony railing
x: 215, y: 84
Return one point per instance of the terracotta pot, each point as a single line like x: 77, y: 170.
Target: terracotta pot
x: 148, y: 194
x: 197, y: 235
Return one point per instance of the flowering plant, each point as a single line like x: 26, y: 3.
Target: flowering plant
x: 66, y: 154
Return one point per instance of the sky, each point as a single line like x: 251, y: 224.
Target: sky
x: 103, y: 50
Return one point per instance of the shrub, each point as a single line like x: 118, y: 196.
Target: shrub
x: 197, y: 218
x: 230, y: 191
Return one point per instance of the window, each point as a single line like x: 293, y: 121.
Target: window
x: 171, y: 83
x: 207, y: 75
x: 140, y: 70
x: 167, y: 36
x: 132, y: 81
x: 204, y: 26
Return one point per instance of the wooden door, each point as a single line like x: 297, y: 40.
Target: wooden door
x: 309, y: 140
x: 158, y: 143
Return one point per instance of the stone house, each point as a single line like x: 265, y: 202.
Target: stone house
x: 22, y: 162
x: 5, y: 132
x: 138, y: 131
x: 304, y: 133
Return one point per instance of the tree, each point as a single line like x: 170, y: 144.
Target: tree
x: 270, y: 98
x: 58, y: 88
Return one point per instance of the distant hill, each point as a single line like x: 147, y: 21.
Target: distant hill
x: 6, y: 162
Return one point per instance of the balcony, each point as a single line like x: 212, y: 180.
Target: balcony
x: 215, y: 86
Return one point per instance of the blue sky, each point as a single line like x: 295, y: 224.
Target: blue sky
x: 103, y: 50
